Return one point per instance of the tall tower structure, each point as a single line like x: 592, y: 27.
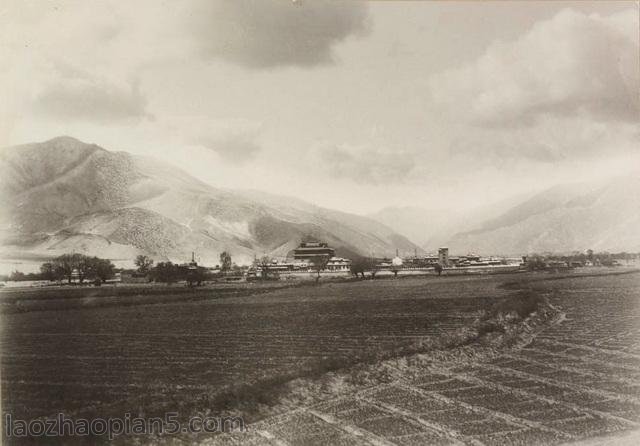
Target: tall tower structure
x: 443, y: 256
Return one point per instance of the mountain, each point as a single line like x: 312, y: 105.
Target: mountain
x: 63, y: 195
x: 418, y: 224
x: 573, y: 217
x: 432, y: 228
x: 603, y: 215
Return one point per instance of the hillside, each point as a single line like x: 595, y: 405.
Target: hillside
x: 418, y: 224
x: 575, y: 217
x: 432, y: 228
x: 603, y: 215
x: 63, y: 195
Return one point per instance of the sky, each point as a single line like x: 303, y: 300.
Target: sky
x: 349, y: 105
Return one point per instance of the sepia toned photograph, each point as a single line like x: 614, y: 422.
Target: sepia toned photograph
x: 319, y: 222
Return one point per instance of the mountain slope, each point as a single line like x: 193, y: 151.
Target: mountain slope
x: 562, y: 219
x: 602, y: 215
x: 63, y: 195
x: 418, y: 224
x: 431, y: 228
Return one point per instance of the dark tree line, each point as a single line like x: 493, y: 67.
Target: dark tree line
x: 541, y: 261
x: 360, y: 265
x: 168, y: 272
x: 66, y: 266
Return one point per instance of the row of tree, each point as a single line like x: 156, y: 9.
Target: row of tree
x: 77, y: 266
x: 591, y: 256
x: 541, y: 261
x: 168, y: 272
x: 71, y: 267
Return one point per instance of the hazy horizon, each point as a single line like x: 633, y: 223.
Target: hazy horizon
x: 351, y: 106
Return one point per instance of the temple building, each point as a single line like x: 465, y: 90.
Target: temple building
x: 310, y: 250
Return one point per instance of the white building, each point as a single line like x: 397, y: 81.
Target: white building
x: 338, y: 264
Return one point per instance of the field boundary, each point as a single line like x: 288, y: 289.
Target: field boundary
x: 466, y: 346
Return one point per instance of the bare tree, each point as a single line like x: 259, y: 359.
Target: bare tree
x: 361, y: 265
x: 143, y: 263
x: 318, y: 264
x: 265, y: 266
x: 374, y: 267
x: 225, y: 262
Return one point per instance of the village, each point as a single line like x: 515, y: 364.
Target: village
x: 312, y: 260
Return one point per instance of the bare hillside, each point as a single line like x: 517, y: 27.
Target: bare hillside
x: 64, y: 195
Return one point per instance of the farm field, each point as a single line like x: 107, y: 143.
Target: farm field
x: 152, y: 358
x: 577, y: 379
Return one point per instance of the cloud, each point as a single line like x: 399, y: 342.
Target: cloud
x: 79, y: 95
x: 239, y: 150
x: 550, y: 141
x: 274, y: 33
x: 235, y: 141
x: 570, y: 65
x: 59, y: 64
x: 365, y: 164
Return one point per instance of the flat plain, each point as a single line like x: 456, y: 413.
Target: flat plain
x: 579, y: 378
x: 119, y: 358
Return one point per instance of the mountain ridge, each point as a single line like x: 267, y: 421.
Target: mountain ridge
x: 600, y: 215
x: 65, y: 195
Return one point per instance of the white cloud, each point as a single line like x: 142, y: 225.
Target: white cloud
x: 571, y: 65
x: 365, y: 164
x: 75, y: 94
x: 271, y: 33
x: 59, y: 64
x: 550, y: 141
x: 563, y: 92
x: 234, y: 141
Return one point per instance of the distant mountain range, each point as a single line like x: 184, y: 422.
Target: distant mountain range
x: 63, y: 195
x: 432, y: 228
x: 602, y: 215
